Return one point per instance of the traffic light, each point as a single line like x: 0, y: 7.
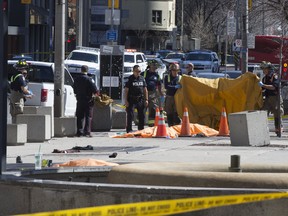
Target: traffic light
x: 285, y: 71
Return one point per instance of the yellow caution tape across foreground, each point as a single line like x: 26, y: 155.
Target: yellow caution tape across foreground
x: 166, y: 207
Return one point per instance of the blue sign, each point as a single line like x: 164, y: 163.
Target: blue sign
x: 111, y: 35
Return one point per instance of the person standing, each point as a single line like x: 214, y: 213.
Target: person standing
x: 153, y: 82
x: 19, y: 89
x: 171, y: 83
x: 85, y: 89
x: 270, y: 86
x: 190, y: 70
x: 136, y: 96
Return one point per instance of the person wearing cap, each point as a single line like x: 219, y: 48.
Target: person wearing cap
x: 190, y: 70
x: 19, y: 89
x: 171, y: 84
x: 85, y: 89
x: 270, y: 85
x: 154, y: 88
x: 136, y: 96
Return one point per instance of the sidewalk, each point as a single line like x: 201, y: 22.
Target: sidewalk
x: 134, y: 150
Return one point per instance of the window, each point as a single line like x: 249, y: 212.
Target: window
x: 139, y: 59
x: 157, y: 17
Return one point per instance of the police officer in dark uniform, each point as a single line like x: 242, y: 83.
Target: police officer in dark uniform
x: 85, y: 90
x: 153, y: 81
x: 136, y: 96
x: 19, y: 89
x: 270, y: 86
x: 171, y: 83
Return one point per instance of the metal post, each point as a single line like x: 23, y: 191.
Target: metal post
x: 182, y: 20
x: 237, y: 36
x: 59, y: 58
x: 279, y: 134
x: 244, y: 51
x: 3, y: 86
x: 112, y: 28
x: 79, y: 22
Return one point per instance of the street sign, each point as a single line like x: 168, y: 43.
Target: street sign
x: 231, y: 26
x: 116, y: 17
x: 111, y: 35
x: 230, y: 14
x: 251, y: 41
x: 238, y: 43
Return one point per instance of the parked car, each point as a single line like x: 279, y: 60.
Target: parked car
x: 177, y: 57
x: 84, y: 56
x: 163, y: 53
x: 41, y: 83
x: 212, y: 75
x: 203, y: 60
x: 233, y: 74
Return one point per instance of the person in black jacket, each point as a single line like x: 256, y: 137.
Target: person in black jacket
x: 85, y: 89
x: 270, y: 86
x: 136, y: 95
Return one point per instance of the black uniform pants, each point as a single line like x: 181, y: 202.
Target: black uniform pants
x: 84, y: 111
x: 130, y: 114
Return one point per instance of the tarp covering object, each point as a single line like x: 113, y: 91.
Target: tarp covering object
x: 172, y: 132
x: 85, y: 162
x: 204, y: 98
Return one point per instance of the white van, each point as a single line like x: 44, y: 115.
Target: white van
x: 84, y: 56
x: 131, y: 58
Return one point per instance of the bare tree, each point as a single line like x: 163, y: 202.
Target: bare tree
x: 204, y: 19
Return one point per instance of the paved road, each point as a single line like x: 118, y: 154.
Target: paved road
x: 132, y: 150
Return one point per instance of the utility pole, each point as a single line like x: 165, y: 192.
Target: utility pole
x: 79, y: 22
x: 3, y: 81
x: 59, y: 58
x: 182, y: 20
x: 244, y: 51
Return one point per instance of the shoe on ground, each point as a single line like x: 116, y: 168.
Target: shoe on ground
x: 78, y: 134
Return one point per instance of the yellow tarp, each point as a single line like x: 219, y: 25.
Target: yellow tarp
x: 204, y: 98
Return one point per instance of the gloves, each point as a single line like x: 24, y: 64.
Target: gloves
x: 178, y: 86
x: 260, y: 84
x: 162, y: 99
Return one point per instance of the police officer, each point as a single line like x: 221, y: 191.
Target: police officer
x: 136, y: 96
x: 171, y: 83
x: 19, y: 89
x: 85, y: 90
x: 270, y: 86
x: 190, y: 70
x: 153, y: 82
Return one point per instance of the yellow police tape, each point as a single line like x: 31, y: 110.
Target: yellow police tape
x: 166, y: 207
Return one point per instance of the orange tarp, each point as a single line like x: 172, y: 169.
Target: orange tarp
x: 85, y: 162
x: 172, y: 132
x: 204, y: 98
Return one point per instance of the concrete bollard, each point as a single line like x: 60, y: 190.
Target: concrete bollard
x: 249, y: 128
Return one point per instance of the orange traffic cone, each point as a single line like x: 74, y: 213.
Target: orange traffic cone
x: 161, y: 128
x: 223, y: 127
x: 157, y: 114
x: 185, y: 127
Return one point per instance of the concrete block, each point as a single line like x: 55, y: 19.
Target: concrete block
x: 65, y: 126
x: 16, y: 134
x: 249, y: 128
x: 38, y: 126
x: 118, y: 119
x: 102, y: 118
x: 42, y: 111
